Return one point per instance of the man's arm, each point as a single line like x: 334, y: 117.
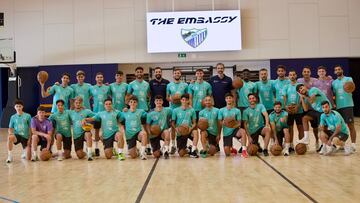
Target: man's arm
x: 44, y: 93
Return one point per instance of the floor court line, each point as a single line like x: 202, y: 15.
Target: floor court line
x: 9, y: 200
x: 143, y: 189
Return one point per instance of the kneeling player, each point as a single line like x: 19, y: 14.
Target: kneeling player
x: 185, y: 115
x: 159, y: 116
x: 19, y: 132
x: 110, y: 130
x: 278, y: 121
x: 211, y: 136
x: 229, y: 132
x: 332, y: 125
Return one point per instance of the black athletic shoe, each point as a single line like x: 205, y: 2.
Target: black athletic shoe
x: 318, y: 150
x: 240, y: 150
x: 217, y: 147
x: 148, y: 151
x: 166, y: 155
x: 194, y: 154
x: 265, y: 152
x: 97, y: 152
x: 260, y: 150
x: 291, y: 150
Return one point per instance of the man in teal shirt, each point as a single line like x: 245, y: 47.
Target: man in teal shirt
x: 110, y: 130
x: 280, y: 129
x: 140, y: 88
x: 244, y: 91
x: 118, y: 91
x: 62, y: 91
x: 99, y: 92
x: 19, y: 132
x: 255, y: 125
x: 280, y: 83
x: 344, y: 102
x: 82, y: 89
x: 332, y: 125
x: 265, y: 89
x: 230, y: 132
x: 62, y: 125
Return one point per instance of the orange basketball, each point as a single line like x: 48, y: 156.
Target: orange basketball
x: 237, y: 83
x: 349, y: 87
x: 45, y: 155
x: 300, y: 149
x: 42, y: 76
x: 230, y: 122
x: 183, y: 129
x: 176, y: 99
x: 276, y: 150
x: 203, y: 124
x: 87, y: 127
x: 252, y: 149
x: 155, y: 130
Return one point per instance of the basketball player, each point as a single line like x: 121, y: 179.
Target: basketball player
x: 280, y: 83
x: 211, y: 136
x: 324, y: 83
x: 255, y: 125
x: 134, y: 131
x: 110, y: 130
x: 19, y: 132
x: 62, y: 91
x: 82, y: 89
x: 77, y: 116
x: 307, y: 80
x: 62, y: 123
x: 185, y: 115
x: 278, y: 121
x: 159, y: 116
x: 41, y: 129
x: 243, y: 92
x: 265, y: 89
x: 234, y: 131
x: 118, y: 91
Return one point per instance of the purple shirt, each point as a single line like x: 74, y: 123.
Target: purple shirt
x: 45, y: 126
x: 309, y: 84
x: 325, y: 86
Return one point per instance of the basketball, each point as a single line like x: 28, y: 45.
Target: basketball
x: 276, y: 150
x: 176, y: 99
x: 155, y: 130
x: 300, y: 149
x: 252, y: 149
x: 42, y: 76
x: 349, y: 87
x: 237, y: 83
x: 203, y: 124
x: 230, y: 122
x: 212, y: 150
x: 183, y: 129
x: 45, y: 155
x: 87, y: 127
x: 292, y: 108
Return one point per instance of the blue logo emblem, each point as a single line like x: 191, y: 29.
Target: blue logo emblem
x: 194, y: 37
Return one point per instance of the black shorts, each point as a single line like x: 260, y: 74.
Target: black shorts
x: 342, y: 136
x: 181, y: 141
x: 347, y: 113
x: 155, y: 143
x: 294, y: 118
x: 315, y: 115
x: 197, y: 115
x: 97, y: 124
x: 109, y: 142
x: 211, y: 139
x: 79, y: 142
x: 280, y: 136
x: 22, y: 140
x: 42, y: 142
x: 242, y: 109
x: 131, y: 143
x: 228, y: 140
x: 255, y: 136
x: 66, y: 142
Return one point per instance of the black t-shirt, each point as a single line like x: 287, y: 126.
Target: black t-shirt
x: 158, y: 88
x: 219, y: 88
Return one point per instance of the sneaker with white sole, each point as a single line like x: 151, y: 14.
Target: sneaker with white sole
x: 60, y: 157
x: 23, y: 155
x: 353, y: 149
x: 304, y: 140
x: 143, y: 156
x: 329, y: 150
x: 347, y: 150
x: 9, y: 159
x: 286, y: 152
x: 323, y: 150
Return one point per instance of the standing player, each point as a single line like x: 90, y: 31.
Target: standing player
x: 244, y: 91
x: 19, y: 132
x: 313, y: 97
x: 230, y: 132
x: 254, y: 123
x: 185, y: 115
x: 110, y: 130
x: 344, y: 102
x: 41, y: 129
x: 99, y: 92
x: 158, y: 87
x: 211, y: 136
x: 324, y: 84
x: 220, y: 85
x: 278, y: 121
x: 332, y: 125
x: 82, y: 89
x: 159, y: 116
x: 80, y: 136
x: 265, y: 89
x: 118, y: 91
x: 134, y: 131
x: 291, y: 98
x: 198, y: 91
x: 307, y: 80
x: 280, y: 83
x: 173, y: 89
x: 61, y: 121
x: 62, y: 91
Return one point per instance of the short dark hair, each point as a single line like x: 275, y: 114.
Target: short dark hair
x: 307, y: 67
x: 119, y: 72
x: 292, y: 70
x: 99, y: 73
x: 338, y: 65
x: 199, y: 70
x: 229, y: 95
x: 280, y: 67
x: 66, y: 74
x: 263, y: 69
x: 133, y: 97
x: 41, y: 108
x: 80, y: 72
x: 298, y: 87
x: 252, y: 94
x: 177, y: 69
x: 139, y: 68
x: 186, y: 96
x: 278, y: 103
x: 159, y: 97
x: 60, y: 101
x: 325, y: 102
x: 246, y: 70
x: 322, y: 68
x: 108, y: 99
x: 220, y: 64
x: 157, y: 68
x: 19, y: 102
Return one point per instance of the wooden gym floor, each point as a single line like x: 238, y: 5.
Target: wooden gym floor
x: 307, y: 178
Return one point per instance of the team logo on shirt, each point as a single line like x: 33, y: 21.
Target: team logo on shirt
x: 194, y: 37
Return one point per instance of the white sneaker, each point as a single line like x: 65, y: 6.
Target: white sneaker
x: 34, y: 157
x: 323, y: 150
x: 143, y: 156
x: 329, y: 150
x: 317, y: 145
x: 286, y: 152
x: 304, y: 140
x: 347, y: 150
x: 60, y: 157
x: 23, y: 155
x: 353, y: 149
x: 9, y: 159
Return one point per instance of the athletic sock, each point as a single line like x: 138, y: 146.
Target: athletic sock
x: 244, y: 148
x: 120, y: 150
x: 96, y: 144
x: 166, y: 148
x: 193, y: 148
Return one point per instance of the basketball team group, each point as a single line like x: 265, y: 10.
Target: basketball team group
x: 164, y: 117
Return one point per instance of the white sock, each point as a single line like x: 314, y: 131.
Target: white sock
x: 306, y: 134
x: 166, y: 148
x: 89, y: 150
x: 9, y: 153
x: 173, y: 142
x: 142, y: 149
x: 193, y: 148
x: 244, y: 148
x: 148, y: 146
x: 96, y: 144
x: 353, y: 145
x: 59, y: 152
x: 120, y: 150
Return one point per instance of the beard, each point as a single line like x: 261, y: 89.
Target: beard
x: 158, y: 77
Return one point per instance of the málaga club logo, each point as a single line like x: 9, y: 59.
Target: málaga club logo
x: 194, y: 37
